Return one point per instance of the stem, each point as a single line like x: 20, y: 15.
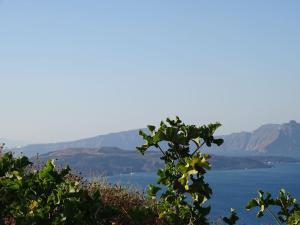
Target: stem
x: 161, y: 150
x: 274, y: 217
x: 198, y: 148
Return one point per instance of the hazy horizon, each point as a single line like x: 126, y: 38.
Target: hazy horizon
x: 77, y: 69
x: 24, y: 142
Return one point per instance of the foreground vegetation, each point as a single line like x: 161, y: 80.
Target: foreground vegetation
x: 50, y: 195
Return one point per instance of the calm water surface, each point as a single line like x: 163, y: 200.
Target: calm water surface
x: 233, y: 188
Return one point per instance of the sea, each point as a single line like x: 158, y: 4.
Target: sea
x: 233, y: 188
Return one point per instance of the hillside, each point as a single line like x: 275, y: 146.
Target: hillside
x: 108, y: 161
x: 104, y: 161
x: 125, y: 140
x: 269, y: 139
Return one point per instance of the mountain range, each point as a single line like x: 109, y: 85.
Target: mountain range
x: 95, y: 162
x: 269, y: 139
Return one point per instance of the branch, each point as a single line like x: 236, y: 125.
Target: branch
x: 275, y: 218
x: 161, y: 150
x: 198, y: 148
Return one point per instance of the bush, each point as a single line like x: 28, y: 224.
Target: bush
x: 183, y: 175
x: 46, y: 196
x: 52, y: 196
x: 288, y: 209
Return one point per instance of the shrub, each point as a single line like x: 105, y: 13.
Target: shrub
x: 56, y: 196
x: 288, y: 209
x: 46, y: 196
x: 183, y: 175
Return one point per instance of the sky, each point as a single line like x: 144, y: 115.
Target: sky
x: 73, y: 69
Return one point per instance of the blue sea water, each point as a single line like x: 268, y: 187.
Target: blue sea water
x: 233, y: 188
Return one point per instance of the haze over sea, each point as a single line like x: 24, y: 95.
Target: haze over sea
x: 233, y: 188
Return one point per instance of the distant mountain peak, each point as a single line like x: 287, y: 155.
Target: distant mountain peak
x: 274, y: 139
x: 293, y: 122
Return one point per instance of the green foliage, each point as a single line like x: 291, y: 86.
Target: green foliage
x: 183, y: 175
x: 289, y: 209
x: 46, y: 196
x: 232, y: 219
x: 294, y: 218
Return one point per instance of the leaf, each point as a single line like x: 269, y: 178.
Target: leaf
x: 142, y: 149
x: 151, y: 128
x: 197, y: 141
x: 218, y: 141
x: 152, y: 190
x: 47, y: 169
x: 251, y: 204
x: 232, y: 219
x: 294, y: 218
x: 213, y: 127
x: 144, y: 135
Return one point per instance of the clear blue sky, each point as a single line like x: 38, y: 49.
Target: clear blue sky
x: 72, y: 69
